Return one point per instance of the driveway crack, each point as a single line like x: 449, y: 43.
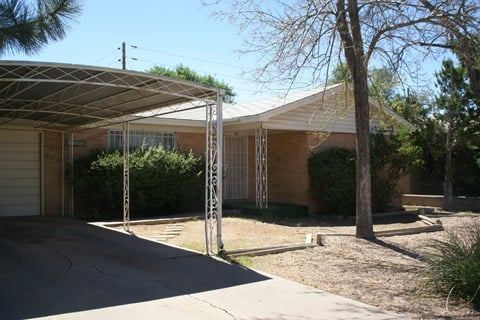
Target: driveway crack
x: 57, y: 251
x: 213, y: 306
x: 199, y: 300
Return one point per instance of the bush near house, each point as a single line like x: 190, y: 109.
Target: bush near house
x: 332, y: 180
x: 332, y: 173
x: 161, y: 182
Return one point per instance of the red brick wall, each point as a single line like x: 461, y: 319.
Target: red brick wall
x: 287, y: 168
x: 52, y: 172
x: 191, y: 141
x: 91, y: 140
x: 317, y: 143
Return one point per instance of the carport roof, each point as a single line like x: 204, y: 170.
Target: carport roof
x: 67, y: 96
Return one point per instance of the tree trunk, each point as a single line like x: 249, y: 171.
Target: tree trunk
x: 351, y: 35
x: 364, y: 222
x: 447, y: 194
x: 447, y: 182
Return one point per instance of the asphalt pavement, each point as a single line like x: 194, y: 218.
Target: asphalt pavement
x: 61, y: 268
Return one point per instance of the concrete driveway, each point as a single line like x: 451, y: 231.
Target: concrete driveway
x: 61, y: 268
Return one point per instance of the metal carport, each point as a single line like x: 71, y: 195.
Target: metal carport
x: 69, y: 98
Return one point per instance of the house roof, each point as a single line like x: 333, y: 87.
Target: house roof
x: 264, y: 107
x: 276, y: 111
x: 70, y: 96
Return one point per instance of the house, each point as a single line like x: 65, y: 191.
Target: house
x: 266, y: 143
x: 51, y: 114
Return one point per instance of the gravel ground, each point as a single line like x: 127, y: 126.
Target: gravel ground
x: 382, y: 273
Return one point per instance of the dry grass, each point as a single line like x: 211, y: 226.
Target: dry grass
x: 382, y: 273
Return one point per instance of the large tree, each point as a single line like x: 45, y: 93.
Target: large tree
x: 463, y: 40
x: 381, y: 81
x: 185, y: 73
x: 25, y: 28
x: 305, y: 37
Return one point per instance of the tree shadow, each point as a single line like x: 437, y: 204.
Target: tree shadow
x: 398, y: 249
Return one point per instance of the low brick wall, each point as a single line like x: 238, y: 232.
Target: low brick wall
x: 436, y: 201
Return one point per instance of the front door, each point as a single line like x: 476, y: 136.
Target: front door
x: 235, y: 168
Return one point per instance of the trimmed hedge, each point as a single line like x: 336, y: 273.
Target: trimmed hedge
x: 161, y: 182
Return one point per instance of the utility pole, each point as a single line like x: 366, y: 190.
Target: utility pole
x: 124, y: 56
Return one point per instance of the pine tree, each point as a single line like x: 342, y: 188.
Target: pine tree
x: 27, y: 29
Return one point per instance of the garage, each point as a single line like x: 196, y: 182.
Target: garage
x: 20, y: 173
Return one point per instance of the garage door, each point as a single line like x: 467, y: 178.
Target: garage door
x: 19, y: 173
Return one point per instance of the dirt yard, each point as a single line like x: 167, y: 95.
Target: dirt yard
x: 382, y: 273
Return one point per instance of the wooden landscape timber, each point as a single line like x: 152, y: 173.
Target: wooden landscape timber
x: 268, y: 250
x: 406, y: 231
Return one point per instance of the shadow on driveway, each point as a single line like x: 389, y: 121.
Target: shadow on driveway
x: 51, y: 266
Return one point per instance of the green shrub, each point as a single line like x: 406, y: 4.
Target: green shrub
x: 390, y: 158
x: 453, y: 265
x: 98, y: 184
x: 161, y: 182
x: 332, y: 173
x: 332, y: 180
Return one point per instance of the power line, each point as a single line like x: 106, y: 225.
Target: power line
x: 190, y: 58
x: 124, y: 58
x: 105, y: 56
x: 196, y: 70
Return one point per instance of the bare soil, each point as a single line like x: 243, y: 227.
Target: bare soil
x: 383, y: 273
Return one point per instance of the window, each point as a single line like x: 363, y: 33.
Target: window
x: 140, y: 137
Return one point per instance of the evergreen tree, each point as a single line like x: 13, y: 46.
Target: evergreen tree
x: 27, y: 29
x: 458, y: 112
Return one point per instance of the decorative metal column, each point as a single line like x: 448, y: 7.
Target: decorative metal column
x: 126, y: 176
x: 213, y: 178
x: 261, y: 168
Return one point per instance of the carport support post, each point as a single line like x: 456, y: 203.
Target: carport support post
x: 261, y: 168
x: 213, y: 173
x: 219, y: 170
x: 126, y: 176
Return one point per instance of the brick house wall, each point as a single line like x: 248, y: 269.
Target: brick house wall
x: 287, y: 168
x: 53, y: 148
x: 194, y: 142
x: 288, y: 153
x: 88, y: 141
x: 332, y: 140
x: 52, y: 172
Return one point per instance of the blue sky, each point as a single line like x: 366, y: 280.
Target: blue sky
x: 166, y: 33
